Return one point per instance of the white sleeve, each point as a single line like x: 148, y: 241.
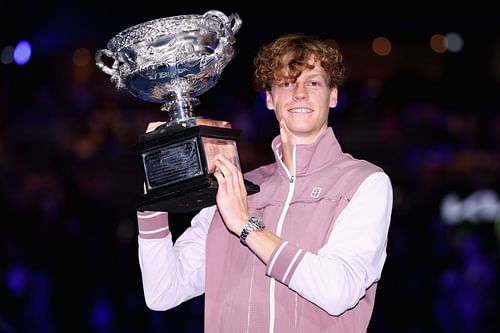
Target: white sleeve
x: 337, y: 277
x: 174, y: 273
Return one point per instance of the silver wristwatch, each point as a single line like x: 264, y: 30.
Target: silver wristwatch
x: 252, y: 224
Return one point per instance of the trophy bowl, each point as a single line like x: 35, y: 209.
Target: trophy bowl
x: 171, y: 61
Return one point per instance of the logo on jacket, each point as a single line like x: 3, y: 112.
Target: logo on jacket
x: 315, y: 192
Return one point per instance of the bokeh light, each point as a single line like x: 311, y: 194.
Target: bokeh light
x: 381, y: 46
x: 22, y: 52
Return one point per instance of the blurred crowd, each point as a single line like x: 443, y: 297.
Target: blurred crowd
x: 70, y: 177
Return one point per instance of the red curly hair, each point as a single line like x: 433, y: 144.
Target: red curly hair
x: 287, y: 56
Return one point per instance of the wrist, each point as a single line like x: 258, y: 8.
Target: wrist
x: 243, y: 223
x: 253, y: 224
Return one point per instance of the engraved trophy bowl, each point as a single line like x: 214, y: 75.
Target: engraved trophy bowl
x: 171, y: 61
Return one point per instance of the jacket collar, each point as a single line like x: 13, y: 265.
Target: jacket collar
x: 311, y: 157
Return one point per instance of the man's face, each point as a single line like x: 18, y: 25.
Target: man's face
x: 303, y: 105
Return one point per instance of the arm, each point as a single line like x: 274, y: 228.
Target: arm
x: 232, y: 198
x: 172, y: 273
x: 337, y: 277
x: 233, y: 207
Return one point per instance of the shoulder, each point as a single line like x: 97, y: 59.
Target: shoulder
x: 353, y: 167
x: 352, y: 173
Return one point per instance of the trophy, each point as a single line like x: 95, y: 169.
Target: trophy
x: 171, y: 61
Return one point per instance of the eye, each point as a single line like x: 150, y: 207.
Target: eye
x: 314, y: 83
x: 286, y: 84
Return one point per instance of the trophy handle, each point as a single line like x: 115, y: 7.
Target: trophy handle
x: 233, y: 22
x: 102, y: 66
x: 110, y: 71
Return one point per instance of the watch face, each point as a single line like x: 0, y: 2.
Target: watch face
x: 257, y: 222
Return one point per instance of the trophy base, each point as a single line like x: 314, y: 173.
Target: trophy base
x: 176, y: 162
x: 187, y: 198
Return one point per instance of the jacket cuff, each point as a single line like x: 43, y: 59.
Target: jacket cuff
x: 284, y: 261
x: 152, y: 225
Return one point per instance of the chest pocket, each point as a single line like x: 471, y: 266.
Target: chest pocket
x: 310, y: 219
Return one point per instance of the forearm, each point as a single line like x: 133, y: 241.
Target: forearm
x: 172, y: 273
x: 334, y: 283
x: 158, y: 271
x: 157, y: 260
x: 263, y: 243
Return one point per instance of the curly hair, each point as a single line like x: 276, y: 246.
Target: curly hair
x: 287, y: 56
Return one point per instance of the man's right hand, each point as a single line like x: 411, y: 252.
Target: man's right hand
x: 154, y: 125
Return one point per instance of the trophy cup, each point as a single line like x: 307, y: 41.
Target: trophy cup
x: 171, y: 61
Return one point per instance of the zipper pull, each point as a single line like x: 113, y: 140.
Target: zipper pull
x: 292, y: 179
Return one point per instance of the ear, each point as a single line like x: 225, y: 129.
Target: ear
x: 269, y: 100
x: 333, y: 97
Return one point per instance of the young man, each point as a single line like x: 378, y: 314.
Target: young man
x: 306, y: 252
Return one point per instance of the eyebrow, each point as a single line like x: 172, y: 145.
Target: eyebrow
x: 315, y: 75
x: 308, y: 76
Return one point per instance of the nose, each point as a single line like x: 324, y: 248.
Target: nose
x: 300, y: 92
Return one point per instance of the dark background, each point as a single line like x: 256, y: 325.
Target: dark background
x: 70, y: 175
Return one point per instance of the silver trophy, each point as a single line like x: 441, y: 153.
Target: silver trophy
x: 171, y: 61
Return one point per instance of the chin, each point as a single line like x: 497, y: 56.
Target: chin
x: 301, y: 130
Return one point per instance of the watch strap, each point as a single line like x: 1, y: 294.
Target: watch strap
x: 252, y: 224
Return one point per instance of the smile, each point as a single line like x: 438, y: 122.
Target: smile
x: 300, y: 110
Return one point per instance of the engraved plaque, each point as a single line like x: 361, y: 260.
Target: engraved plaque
x: 175, y: 163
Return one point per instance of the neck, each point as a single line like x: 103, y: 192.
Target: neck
x: 287, y: 156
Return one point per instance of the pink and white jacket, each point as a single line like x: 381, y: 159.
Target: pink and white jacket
x: 333, y: 218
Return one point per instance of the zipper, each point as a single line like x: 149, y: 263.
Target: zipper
x: 279, y: 228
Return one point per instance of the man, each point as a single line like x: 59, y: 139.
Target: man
x: 306, y: 252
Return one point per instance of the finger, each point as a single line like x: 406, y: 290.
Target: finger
x: 221, y: 181
x: 154, y: 125
x: 239, y: 178
x: 241, y: 183
x: 235, y: 174
x: 226, y: 174
x: 212, y: 168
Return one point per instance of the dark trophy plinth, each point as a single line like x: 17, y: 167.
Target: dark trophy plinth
x: 176, y: 161
x: 172, y: 61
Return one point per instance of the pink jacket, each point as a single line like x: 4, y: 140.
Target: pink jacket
x: 323, y: 275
